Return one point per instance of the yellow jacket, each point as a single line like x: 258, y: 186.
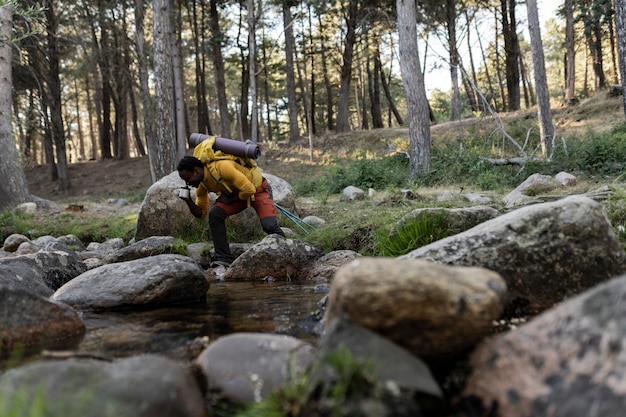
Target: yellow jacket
x: 231, y: 178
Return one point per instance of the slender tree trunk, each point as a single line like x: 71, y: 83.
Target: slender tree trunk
x: 327, y: 84
x: 13, y: 187
x: 292, y: 105
x: 512, y: 52
x: 179, y: 85
x: 343, y: 122
x: 413, y: 82
x: 388, y: 96
x: 546, y: 127
x: 570, y: 59
x: 203, y: 124
x: 164, y: 161
x: 620, y: 26
x: 499, y: 68
x: 454, y: 59
x: 492, y: 93
x: 218, y: 69
x: 254, y: 115
x: 146, y: 98
x: 374, y: 82
x: 54, y: 97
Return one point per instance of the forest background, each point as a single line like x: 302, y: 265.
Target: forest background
x: 97, y: 80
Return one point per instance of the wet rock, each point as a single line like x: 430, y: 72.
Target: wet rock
x: 434, y: 311
x: 30, y: 323
x: 141, y: 386
x: 545, y: 252
x: 247, y: 367
x: 153, y: 281
x: 276, y: 257
x: 570, y: 360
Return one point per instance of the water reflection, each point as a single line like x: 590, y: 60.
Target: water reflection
x: 268, y: 307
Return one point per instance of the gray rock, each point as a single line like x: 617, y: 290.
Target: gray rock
x: 391, y: 363
x: 457, y: 219
x: 150, y: 246
x: 276, y: 257
x: 247, y: 367
x: 282, y: 192
x: 13, y: 241
x: 545, y: 252
x: 31, y: 323
x: 153, y: 281
x: 40, y: 273
x: 568, y: 361
x: 531, y: 187
x: 141, y: 386
x: 324, y: 268
x: 162, y: 212
x: 352, y: 193
x: 434, y: 311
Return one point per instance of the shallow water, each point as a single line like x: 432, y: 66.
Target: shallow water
x: 267, y: 307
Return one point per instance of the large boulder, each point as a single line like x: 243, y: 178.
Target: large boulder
x: 434, y: 311
x: 568, y: 361
x: 29, y: 323
x: 43, y: 272
x: 140, y: 386
x: 545, y: 252
x: 162, y: 212
x: 152, y: 281
x: 276, y: 257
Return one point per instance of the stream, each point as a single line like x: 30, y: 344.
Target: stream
x: 232, y: 307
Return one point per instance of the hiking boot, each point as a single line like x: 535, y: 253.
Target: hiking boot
x: 217, y: 264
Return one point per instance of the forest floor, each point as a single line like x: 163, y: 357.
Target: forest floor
x: 95, y: 181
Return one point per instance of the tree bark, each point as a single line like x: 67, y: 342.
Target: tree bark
x: 620, y: 27
x: 546, y: 127
x: 254, y: 110
x: 292, y: 105
x: 218, y: 70
x: 570, y: 59
x: 455, y: 113
x: 13, y: 187
x: 512, y: 52
x: 343, y: 117
x: 413, y: 82
x: 164, y: 161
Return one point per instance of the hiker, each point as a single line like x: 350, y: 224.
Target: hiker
x: 237, y: 187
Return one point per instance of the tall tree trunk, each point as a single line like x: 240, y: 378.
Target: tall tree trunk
x: 54, y: 99
x: 620, y: 27
x: 570, y: 57
x: 103, y: 61
x: 327, y: 84
x: 499, y: 68
x: 492, y: 93
x: 218, y: 69
x: 146, y: 98
x: 455, y: 113
x: 254, y: 115
x: 413, y: 82
x: 179, y: 86
x: 292, y: 105
x: 166, y: 151
x: 512, y: 52
x: 546, y: 127
x: 374, y: 82
x: 385, y: 83
x: 343, y: 122
x: 13, y: 187
x: 203, y: 125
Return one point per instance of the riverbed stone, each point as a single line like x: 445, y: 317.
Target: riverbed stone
x: 434, y: 311
x: 568, y: 361
x: 456, y: 219
x: 246, y: 367
x: 29, y: 323
x: 13, y: 241
x: 139, y: 386
x: 274, y: 257
x: 324, y: 268
x: 41, y: 273
x: 153, y: 281
x: 150, y: 246
x: 545, y: 252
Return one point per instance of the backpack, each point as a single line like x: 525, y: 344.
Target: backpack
x: 205, y: 152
